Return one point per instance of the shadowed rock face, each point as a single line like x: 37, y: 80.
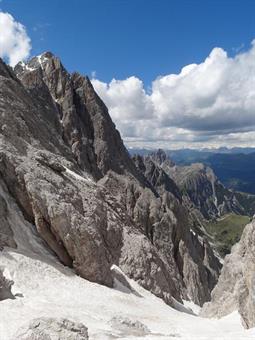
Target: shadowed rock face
x: 5, y: 288
x: 236, y: 287
x: 6, y: 233
x: 85, y: 123
x: 64, y: 163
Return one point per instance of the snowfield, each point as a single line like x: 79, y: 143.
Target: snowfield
x: 46, y: 288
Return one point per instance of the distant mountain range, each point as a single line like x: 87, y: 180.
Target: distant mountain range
x: 234, y: 167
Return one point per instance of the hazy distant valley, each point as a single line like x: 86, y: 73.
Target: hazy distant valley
x: 234, y: 167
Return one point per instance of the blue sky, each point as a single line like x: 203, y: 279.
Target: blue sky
x: 172, y: 73
x: 146, y: 38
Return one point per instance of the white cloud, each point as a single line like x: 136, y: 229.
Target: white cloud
x: 15, y: 45
x: 207, y: 104
x: 126, y: 99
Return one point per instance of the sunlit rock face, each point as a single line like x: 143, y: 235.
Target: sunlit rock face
x: 236, y: 287
x: 64, y: 164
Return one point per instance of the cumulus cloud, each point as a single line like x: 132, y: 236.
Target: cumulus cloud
x: 126, y: 98
x: 207, y: 104
x: 15, y: 45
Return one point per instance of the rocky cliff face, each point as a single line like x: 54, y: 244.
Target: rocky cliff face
x: 64, y: 164
x: 81, y: 116
x: 199, y: 185
x: 6, y: 233
x: 192, y: 254
x: 236, y: 287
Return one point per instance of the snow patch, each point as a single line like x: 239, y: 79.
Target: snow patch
x: 193, y: 232
x: 30, y: 68
x: 42, y: 59
x: 26, y: 67
x: 78, y: 177
x: 192, y: 306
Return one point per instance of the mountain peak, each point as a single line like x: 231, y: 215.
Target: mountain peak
x: 47, y: 54
x: 161, y: 157
x: 36, y: 63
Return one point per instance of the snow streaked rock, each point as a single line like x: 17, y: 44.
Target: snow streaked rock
x: 120, y: 220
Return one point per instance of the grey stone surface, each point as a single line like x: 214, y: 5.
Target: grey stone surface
x: 65, y: 165
x: 52, y: 329
x: 190, y: 255
x: 201, y: 187
x: 236, y: 287
x: 127, y: 327
x: 6, y: 233
x: 5, y: 287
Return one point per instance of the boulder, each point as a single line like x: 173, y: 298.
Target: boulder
x: 52, y: 329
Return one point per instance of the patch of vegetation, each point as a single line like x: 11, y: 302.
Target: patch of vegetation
x: 247, y: 201
x: 227, y: 231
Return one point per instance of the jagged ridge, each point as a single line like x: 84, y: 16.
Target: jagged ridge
x: 64, y: 163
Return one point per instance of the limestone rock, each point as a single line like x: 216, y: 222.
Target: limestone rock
x: 65, y: 165
x: 51, y: 329
x: 192, y: 256
x: 235, y: 289
x: 200, y: 186
x: 5, y: 288
x: 6, y: 233
x: 85, y: 122
x: 128, y: 327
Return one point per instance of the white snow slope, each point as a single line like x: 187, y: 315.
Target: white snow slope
x: 51, y: 290
x: 47, y: 288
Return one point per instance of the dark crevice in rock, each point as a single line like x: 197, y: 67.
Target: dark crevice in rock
x: 5, y: 288
x: 52, y: 239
